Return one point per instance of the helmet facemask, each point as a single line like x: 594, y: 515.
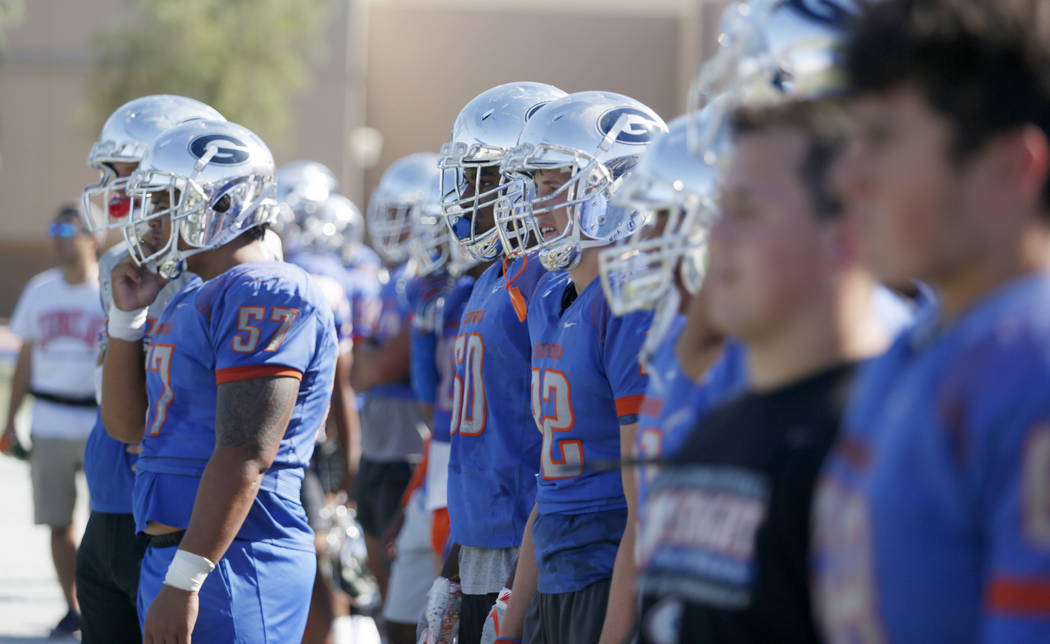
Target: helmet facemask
x: 429, y: 244
x: 390, y: 226
x: 582, y: 197
x: 201, y: 217
x: 640, y: 270
x: 470, y: 186
x: 105, y: 205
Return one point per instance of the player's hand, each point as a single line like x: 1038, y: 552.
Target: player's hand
x: 392, y: 530
x: 11, y: 445
x: 440, y: 622
x: 346, y: 483
x: 171, y: 616
x: 134, y: 287
x: 8, y: 437
x: 490, y: 632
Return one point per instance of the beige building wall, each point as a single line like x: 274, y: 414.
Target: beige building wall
x: 404, y: 67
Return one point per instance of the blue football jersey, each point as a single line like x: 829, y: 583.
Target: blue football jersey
x: 586, y: 384
x: 254, y: 320
x: 400, y: 297
x: 932, y: 521
x: 108, y: 466
x: 426, y: 329
x: 362, y: 289
x: 450, y: 310
x: 674, y: 403
x: 494, y: 451
x: 331, y: 273
x: 424, y: 372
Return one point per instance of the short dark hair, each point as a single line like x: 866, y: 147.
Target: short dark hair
x: 256, y: 233
x: 820, y: 122
x: 984, y: 65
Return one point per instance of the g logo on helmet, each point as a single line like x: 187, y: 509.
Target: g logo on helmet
x: 234, y: 153
x: 638, y: 129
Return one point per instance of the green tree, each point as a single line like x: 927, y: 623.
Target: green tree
x: 246, y: 58
x: 10, y: 15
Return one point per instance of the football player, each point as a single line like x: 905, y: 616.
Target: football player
x: 110, y: 551
x: 238, y: 377
x: 492, y: 462
x: 314, y: 238
x: 785, y: 278
x: 392, y: 424
x: 931, y: 521
x: 434, y: 330
x: 659, y: 267
x: 587, y: 385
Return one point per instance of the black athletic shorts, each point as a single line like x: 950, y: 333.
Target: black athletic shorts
x: 107, y: 575
x: 378, y: 489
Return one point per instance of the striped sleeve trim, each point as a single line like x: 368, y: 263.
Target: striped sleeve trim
x: 234, y: 374
x: 1018, y: 596
x: 629, y: 405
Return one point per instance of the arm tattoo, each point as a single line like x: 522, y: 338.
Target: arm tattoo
x: 253, y: 414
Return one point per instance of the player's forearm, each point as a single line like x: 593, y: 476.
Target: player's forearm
x: 251, y: 417
x: 525, y: 580
x: 344, y: 413
x: 20, y: 381
x: 428, y: 413
x: 450, y: 568
x: 620, y: 611
x: 124, y: 391
x: 382, y: 365
x: 228, y: 488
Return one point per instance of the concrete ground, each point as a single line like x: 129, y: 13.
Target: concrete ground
x: 30, y: 600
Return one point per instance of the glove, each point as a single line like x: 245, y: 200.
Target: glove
x: 490, y: 632
x: 440, y: 623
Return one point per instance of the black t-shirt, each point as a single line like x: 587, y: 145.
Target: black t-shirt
x: 725, y: 532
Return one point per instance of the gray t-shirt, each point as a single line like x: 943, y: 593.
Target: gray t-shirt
x: 392, y: 429
x: 485, y: 570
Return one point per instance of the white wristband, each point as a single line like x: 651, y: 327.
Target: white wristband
x: 188, y: 571
x: 127, y: 325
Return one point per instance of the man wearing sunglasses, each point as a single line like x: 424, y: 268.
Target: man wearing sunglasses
x: 58, y: 318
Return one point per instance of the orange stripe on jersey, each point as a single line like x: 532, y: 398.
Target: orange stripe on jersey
x: 629, y: 404
x: 1018, y: 596
x: 234, y: 374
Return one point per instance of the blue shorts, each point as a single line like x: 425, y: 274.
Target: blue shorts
x: 259, y: 592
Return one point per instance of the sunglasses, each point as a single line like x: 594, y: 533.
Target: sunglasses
x: 63, y: 230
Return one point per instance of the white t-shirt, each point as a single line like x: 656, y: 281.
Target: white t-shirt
x: 63, y: 322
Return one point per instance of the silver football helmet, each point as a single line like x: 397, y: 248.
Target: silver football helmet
x: 432, y: 246
x: 124, y: 138
x: 407, y: 183
x: 212, y: 179
x: 772, y: 51
x: 345, y: 559
x: 303, y: 186
x: 334, y: 227
x: 482, y: 133
x: 428, y: 243
x: 594, y: 138
x: 676, y: 195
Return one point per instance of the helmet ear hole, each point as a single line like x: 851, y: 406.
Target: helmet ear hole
x: 222, y: 204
